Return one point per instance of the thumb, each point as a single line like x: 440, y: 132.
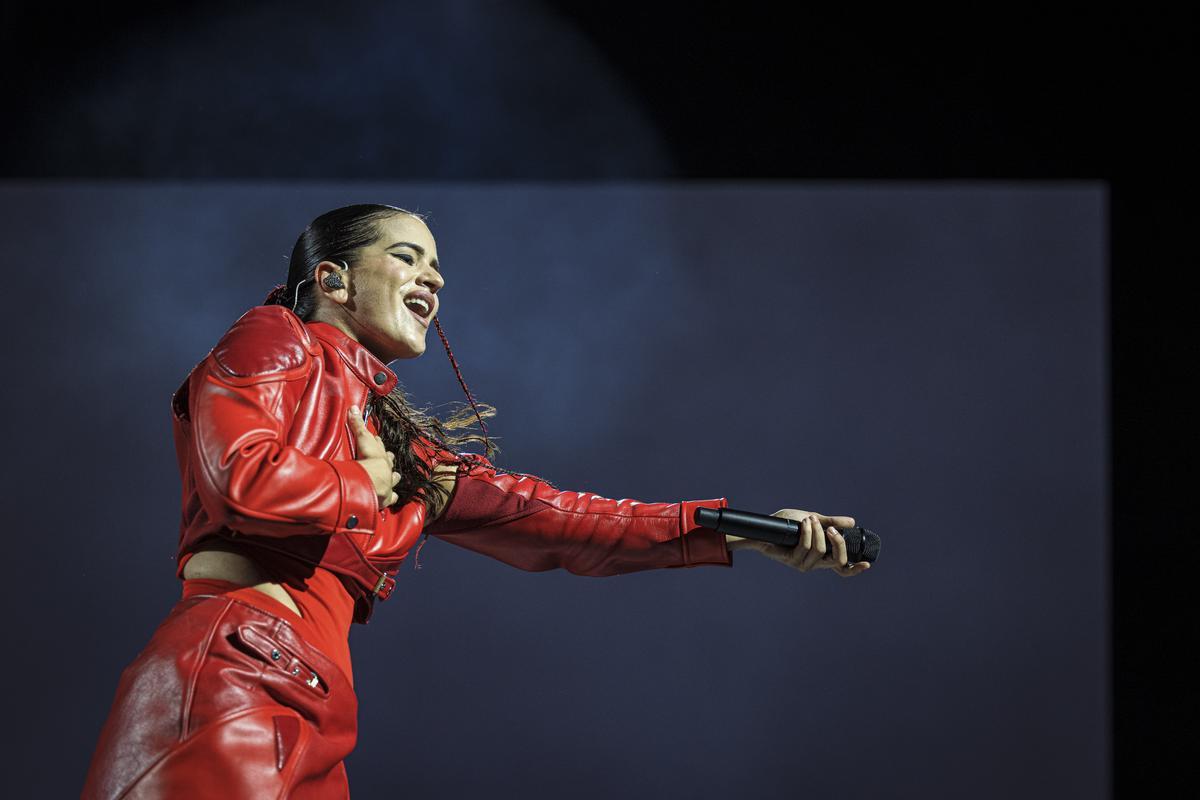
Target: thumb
x: 357, y: 424
x: 369, y: 445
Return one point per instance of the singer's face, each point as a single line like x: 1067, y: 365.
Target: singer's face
x: 403, y: 261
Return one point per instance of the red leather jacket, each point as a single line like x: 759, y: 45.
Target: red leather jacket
x: 267, y: 461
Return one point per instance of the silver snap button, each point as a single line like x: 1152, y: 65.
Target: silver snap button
x: 275, y: 655
x: 295, y: 670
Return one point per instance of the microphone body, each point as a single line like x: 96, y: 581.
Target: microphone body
x: 861, y: 544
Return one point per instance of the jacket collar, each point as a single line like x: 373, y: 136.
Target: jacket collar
x: 369, y: 369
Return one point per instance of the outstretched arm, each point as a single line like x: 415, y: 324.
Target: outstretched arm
x: 525, y: 522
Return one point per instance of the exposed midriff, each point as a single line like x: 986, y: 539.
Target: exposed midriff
x: 326, y: 608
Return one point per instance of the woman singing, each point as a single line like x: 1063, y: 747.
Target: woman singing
x: 307, y: 478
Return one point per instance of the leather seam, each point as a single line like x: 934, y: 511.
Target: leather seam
x: 279, y: 624
x: 591, y: 513
x: 202, y: 452
x: 534, y: 499
x: 352, y: 368
x: 300, y: 334
x: 524, y: 512
x: 250, y: 379
x: 341, y: 509
x: 607, y: 513
x: 194, y: 677
x: 185, y: 742
x: 295, y: 758
x: 683, y: 539
x: 238, y: 509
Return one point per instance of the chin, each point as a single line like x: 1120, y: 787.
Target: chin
x: 411, y: 350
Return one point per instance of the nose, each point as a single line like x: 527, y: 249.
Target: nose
x: 432, y: 279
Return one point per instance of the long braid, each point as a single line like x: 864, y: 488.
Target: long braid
x: 487, y: 442
x: 487, y: 446
x: 467, y: 457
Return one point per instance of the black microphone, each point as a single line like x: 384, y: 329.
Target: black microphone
x: 861, y: 544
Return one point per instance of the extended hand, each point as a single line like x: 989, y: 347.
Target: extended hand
x: 378, y: 461
x: 820, y: 545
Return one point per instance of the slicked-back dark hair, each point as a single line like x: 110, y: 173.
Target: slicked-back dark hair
x: 336, y: 235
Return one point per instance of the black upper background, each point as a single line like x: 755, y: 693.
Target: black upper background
x: 741, y: 92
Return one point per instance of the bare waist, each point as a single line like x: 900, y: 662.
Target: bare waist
x: 226, y: 565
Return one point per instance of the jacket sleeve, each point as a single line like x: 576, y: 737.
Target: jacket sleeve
x: 525, y: 522
x: 241, y: 406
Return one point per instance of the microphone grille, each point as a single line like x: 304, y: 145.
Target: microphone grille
x: 861, y: 544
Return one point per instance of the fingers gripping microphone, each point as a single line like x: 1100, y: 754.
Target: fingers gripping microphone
x: 861, y: 544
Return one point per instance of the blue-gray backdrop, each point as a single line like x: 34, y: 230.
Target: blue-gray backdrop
x: 928, y: 358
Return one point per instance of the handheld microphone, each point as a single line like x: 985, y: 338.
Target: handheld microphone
x: 861, y: 544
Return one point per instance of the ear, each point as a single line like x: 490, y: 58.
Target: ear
x: 323, y: 271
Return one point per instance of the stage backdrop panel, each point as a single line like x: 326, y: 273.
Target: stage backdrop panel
x: 929, y: 358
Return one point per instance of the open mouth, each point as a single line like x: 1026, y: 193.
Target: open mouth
x: 420, y: 304
x: 417, y: 314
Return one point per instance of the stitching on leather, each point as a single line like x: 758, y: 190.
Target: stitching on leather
x: 521, y: 514
x: 187, y: 742
x: 352, y: 368
x: 300, y: 334
x: 255, y: 639
x: 199, y: 439
x: 683, y: 538
x: 546, y: 504
x: 341, y: 509
x: 295, y: 758
x: 237, y: 508
x: 610, y: 513
x: 582, y: 494
x: 281, y: 623
x: 281, y: 758
x: 189, y: 696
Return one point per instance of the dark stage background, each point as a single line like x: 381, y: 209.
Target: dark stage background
x: 910, y: 241
x: 927, y: 359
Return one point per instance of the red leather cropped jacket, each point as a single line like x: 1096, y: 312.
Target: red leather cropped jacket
x: 267, y: 462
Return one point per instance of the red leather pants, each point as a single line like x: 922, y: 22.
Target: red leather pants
x: 226, y: 701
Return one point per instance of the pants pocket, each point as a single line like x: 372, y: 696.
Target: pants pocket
x: 284, y: 662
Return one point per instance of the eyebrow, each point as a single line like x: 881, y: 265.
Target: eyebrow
x: 420, y: 251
